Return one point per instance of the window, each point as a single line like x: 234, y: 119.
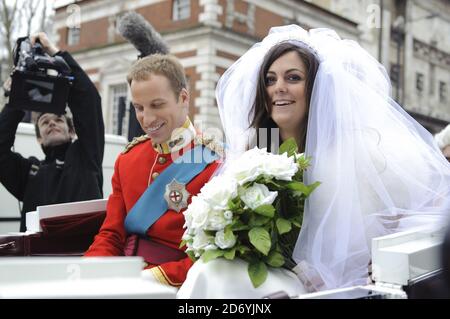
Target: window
x: 432, y: 79
x: 181, y: 9
x: 120, y: 112
x: 395, y: 74
x: 442, y: 92
x: 419, y: 83
x: 73, y: 36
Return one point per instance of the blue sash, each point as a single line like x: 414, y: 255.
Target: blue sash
x: 152, y: 205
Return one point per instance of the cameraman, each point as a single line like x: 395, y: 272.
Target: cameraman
x: 72, y: 169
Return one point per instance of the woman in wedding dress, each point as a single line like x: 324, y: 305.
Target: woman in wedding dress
x: 380, y: 171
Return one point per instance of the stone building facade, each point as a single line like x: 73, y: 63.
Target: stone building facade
x: 411, y: 39
x: 209, y: 35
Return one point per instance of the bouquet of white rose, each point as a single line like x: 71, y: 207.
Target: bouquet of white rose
x: 253, y: 211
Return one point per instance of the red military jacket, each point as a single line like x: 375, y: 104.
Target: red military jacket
x: 134, y: 170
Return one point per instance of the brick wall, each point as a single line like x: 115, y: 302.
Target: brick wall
x: 265, y: 20
x: 94, y: 34
x: 193, y: 77
x: 241, y: 7
x: 223, y: 4
x: 226, y: 55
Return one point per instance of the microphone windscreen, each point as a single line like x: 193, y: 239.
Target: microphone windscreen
x: 133, y: 27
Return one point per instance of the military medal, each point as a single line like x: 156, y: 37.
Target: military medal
x: 176, y: 195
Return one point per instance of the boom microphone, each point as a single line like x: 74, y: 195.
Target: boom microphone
x: 133, y: 27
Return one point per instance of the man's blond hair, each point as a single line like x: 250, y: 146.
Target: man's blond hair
x: 159, y: 64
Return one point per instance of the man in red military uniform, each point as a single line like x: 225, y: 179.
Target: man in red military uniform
x: 161, y: 101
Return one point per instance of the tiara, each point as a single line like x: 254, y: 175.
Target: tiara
x: 293, y: 34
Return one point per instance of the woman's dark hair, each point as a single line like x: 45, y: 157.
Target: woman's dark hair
x: 262, y: 107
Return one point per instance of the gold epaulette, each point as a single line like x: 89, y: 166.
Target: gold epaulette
x: 211, y: 143
x: 134, y: 142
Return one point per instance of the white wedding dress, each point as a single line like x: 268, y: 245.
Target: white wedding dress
x: 381, y: 172
x: 223, y: 279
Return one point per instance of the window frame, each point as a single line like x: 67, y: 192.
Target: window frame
x: 116, y: 91
x: 178, y: 6
x: 420, y: 82
x: 72, y: 35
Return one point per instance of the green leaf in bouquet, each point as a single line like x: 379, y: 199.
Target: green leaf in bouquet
x: 298, y: 187
x: 270, y: 182
x: 232, y: 205
x: 313, y: 186
x: 257, y: 220
x: 235, y: 205
x: 289, y: 146
x: 301, y: 189
x: 265, y: 210
x: 245, y: 186
x: 242, y: 249
x: 269, y: 227
x: 303, y: 162
x: 275, y: 259
x: 238, y: 226
x: 283, y: 225
x: 212, y: 254
x: 191, y: 255
x: 229, y: 235
x: 258, y: 273
x: 278, y: 248
x: 296, y: 222
x: 273, y: 184
x: 230, y: 254
x: 183, y: 243
x: 209, y: 233
x: 260, y: 239
x: 261, y: 179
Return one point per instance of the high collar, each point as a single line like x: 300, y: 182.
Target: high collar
x: 55, y: 152
x: 179, y: 139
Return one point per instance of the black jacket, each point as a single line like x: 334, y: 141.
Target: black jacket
x: 70, y: 172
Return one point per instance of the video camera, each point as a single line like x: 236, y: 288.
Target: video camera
x: 40, y: 82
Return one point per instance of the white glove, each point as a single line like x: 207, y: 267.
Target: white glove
x: 308, y: 276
